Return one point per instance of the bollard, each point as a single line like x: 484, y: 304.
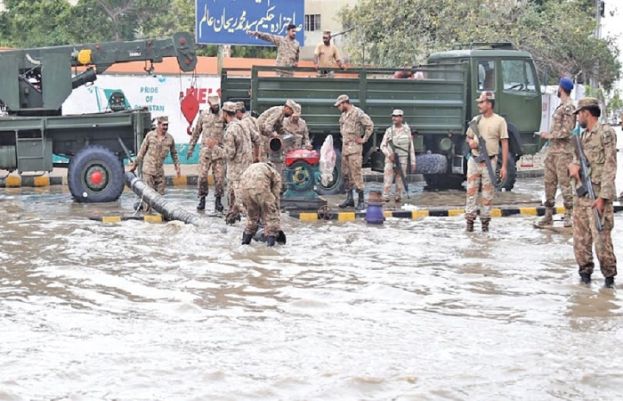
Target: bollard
x: 374, y: 212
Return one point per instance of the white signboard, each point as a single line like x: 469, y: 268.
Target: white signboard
x: 160, y: 94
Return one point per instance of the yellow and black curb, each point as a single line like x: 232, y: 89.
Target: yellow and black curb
x: 505, y: 211
x: 150, y: 218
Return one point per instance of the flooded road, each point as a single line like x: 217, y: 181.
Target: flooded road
x: 412, y: 310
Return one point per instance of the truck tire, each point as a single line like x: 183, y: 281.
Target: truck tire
x: 511, y: 172
x: 95, y: 175
x: 431, y: 164
x: 336, y: 186
x: 436, y: 182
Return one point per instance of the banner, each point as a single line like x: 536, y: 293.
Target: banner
x: 227, y: 21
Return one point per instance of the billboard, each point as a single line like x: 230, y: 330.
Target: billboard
x: 227, y: 21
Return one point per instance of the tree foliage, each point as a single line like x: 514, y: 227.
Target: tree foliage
x: 559, y: 34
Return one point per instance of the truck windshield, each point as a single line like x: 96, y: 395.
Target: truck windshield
x: 518, y: 76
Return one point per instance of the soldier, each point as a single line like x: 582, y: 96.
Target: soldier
x: 154, y: 149
x: 352, y: 121
x: 251, y: 128
x: 210, y: 124
x: 326, y: 55
x: 296, y: 126
x: 260, y: 187
x: 599, y: 145
x: 398, y: 135
x: 288, y: 48
x: 559, y: 155
x: 237, y: 151
x: 493, y: 130
x: 270, y: 123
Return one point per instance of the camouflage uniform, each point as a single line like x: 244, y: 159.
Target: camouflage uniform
x: 559, y: 155
x: 299, y: 131
x: 287, y: 51
x: 599, y: 146
x: 352, y: 123
x: 152, y: 153
x: 268, y: 122
x: 477, y: 173
x: 209, y: 125
x: 402, y: 140
x: 237, y: 150
x: 260, y: 186
x: 251, y: 128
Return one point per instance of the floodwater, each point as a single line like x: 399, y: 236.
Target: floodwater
x: 411, y: 310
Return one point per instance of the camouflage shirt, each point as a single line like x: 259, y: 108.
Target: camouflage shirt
x: 237, y: 150
x: 261, y: 177
x: 300, y: 132
x: 209, y: 125
x: 352, y: 123
x: 600, y: 148
x: 250, y: 127
x: 564, y: 122
x: 287, y: 49
x: 154, y: 150
x: 271, y: 121
x: 402, y: 140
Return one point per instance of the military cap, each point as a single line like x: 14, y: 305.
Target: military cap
x: 163, y: 119
x: 290, y: 103
x: 398, y: 112
x: 487, y: 95
x: 586, y: 102
x: 229, y: 107
x: 297, y: 109
x: 341, y: 99
x: 240, y: 106
x: 213, y: 99
x: 566, y: 84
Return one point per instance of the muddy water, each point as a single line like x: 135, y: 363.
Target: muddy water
x: 412, y: 310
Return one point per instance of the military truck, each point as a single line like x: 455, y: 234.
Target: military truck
x: 438, y: 104
x: 34, y: 83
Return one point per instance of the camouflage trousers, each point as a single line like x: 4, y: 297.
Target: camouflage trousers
x: 234, y: 204
x: 157, y: 183
x: 389, y: 174
x: 218, y: 172
x: 585, y: 234
x: 351, y: 171
x: 557, y: 173
x: 477, y: 177
x: 261, y: 206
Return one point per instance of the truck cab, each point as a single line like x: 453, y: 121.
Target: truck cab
x: 511, y: 75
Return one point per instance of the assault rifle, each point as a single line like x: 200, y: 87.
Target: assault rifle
x: 586, y: 187
x: 398, y: 167
x: 483, y: 154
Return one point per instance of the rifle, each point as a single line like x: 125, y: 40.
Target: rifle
x: 586, y: 187
x: 398, y: 167
x: 483, y: 155
x: 342, y: 33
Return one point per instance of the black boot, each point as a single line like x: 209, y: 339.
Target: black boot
x: 270, y: 241
x: 609, y: 282
x: 585, y: 278
x: 246, y: 238
x: 469, y: 220
x: 349, y: 202
x: 218, y: 206
x: 360, y: 201
x: 202, y: 203
x: 485, y: 224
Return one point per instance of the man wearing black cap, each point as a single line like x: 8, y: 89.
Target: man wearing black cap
x: 559, y: 155
x: 288, y: 48
x: 599, y: 143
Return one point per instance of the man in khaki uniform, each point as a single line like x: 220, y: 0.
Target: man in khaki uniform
x: 326, y: 55
x: 296, y: 126
x: 237, y: 151
x: 270, y: 124
x: 251, y: 128
x: 559, y: 155
x: 352, y: 122
x: 599, y: 143
x: 154, y: 149
x: 493, y: 130
x: 260, y: 188
x: 288, y: 48
x: 210, y: 124
x: 399, y: 135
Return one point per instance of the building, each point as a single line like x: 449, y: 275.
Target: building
x: 322, y: 15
